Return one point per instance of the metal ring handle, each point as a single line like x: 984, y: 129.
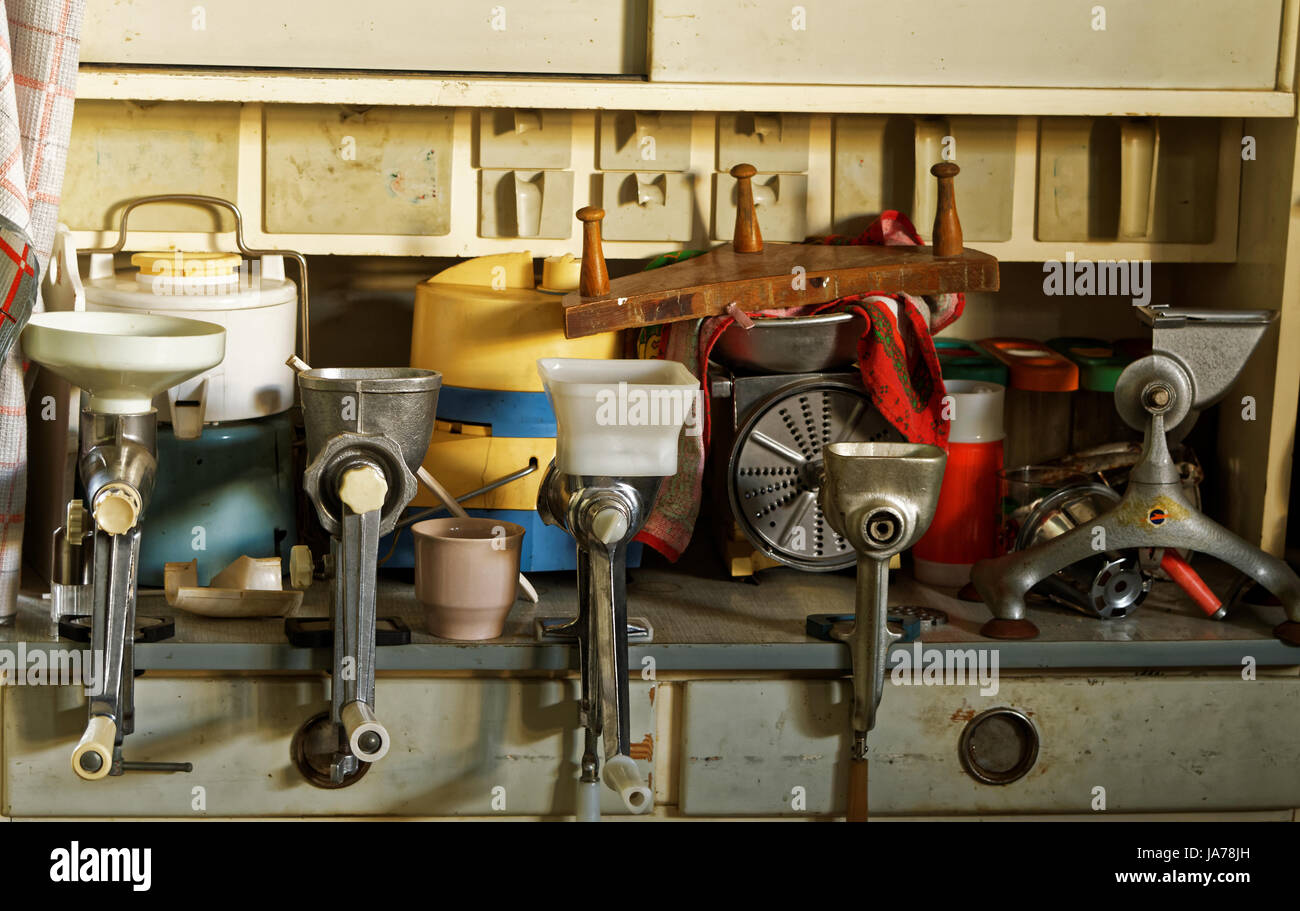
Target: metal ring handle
x: 199, y: 200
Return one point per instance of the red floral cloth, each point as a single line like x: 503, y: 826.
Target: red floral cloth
x: 896, y: 356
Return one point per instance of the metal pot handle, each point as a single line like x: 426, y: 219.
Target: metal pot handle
x: 199, y: 200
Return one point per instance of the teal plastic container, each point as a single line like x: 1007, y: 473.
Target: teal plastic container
x: 229, y: 493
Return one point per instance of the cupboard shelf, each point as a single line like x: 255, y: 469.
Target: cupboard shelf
x: 106, y: 82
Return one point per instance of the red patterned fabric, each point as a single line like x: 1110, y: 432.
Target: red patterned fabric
x: 897, y: 358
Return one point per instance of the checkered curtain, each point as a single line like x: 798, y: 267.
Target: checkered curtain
x: 39, y: 46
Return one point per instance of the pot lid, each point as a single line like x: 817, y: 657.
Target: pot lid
x: 188, y: 265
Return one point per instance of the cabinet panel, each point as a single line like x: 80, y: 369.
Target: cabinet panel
x: 334, y: 170
x: 454, y: 741
x: 1122, y: 43
x: 120, y: 150
x: 428, y: 35
x: 747, y: 745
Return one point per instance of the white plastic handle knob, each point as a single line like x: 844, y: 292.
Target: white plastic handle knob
x: 116, y: 508
x: 609, y: 525
x: 363, y: 489
x: 588, y: 809
x: 98, y: 740
x: 359, y: 721
x: 622, y: 775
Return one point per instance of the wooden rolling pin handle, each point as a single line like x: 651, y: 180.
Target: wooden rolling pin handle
x: 857, y: 809
x: 593, y: 280
x: 747, y: 239
x: 947, y: 229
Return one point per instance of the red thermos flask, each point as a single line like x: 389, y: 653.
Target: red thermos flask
x: 965, y: 526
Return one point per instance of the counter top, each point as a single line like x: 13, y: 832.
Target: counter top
x: 704, y: 622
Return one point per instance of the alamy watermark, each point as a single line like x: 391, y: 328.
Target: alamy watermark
x: 1098, y: 278
x: 629, y: 406
x: 21, y: 666
x: 920, y: 666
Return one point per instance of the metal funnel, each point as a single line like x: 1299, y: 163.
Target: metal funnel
x: 396, y: 402
x: 881, y: 496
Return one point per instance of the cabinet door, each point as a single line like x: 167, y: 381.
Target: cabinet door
x: 1151, y: 744
x: 541, y: 36
x: 1122, y: 43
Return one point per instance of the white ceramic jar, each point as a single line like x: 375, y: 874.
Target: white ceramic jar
x: 251, y: 299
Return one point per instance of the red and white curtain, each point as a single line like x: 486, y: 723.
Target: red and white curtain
x: 39, y: 48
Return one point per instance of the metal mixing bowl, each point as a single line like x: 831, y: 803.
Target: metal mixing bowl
x: 797, y: 344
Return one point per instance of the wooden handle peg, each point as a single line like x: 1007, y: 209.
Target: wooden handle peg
x: 748, y: 239
x: 947, y: 229
x: 593, y: 280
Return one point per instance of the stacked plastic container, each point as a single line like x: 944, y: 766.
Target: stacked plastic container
x: 483, y: 324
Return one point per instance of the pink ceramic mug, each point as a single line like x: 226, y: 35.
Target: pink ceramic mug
x: 466, y: 572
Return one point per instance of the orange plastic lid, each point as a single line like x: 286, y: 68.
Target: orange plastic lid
x: 1034, y: 366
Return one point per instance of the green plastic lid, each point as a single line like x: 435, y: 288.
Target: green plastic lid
x: 960, y: 359
x: 1100, y: 364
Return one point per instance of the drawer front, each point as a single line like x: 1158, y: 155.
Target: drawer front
x: 425, y: 35
x: 385, y: 170
x: 1152, y: 744
x: 1134, y: 43
x: 460, y: 747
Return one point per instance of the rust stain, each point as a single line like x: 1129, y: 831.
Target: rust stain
x: 1135, y: 514
x: 652, y: 694
x: 965, y: 713
x: 643, y: 750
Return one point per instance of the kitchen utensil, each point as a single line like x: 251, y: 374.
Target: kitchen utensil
x: 801, y: 344
x: 121, y: 361
x: 880, y: 497
x: 611, y: 458
x: 1196, y: 356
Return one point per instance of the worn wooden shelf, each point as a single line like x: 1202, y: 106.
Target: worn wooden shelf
x: 707, y: 284
x: 748, y: 275
x: 165, y: 83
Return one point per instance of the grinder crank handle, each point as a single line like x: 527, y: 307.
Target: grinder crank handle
x: 354, y: 633
x: 367, y: 737
x: 92, y: 758
x: 610, y: 529
x: 868, y: 643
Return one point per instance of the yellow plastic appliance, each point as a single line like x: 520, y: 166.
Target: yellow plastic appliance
x: 483, y: 324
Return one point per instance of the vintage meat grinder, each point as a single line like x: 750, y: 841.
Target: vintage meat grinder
x: 881, y: 498
x: 367, y: 432
x: 120, y: 361
x: 1196, y: 356
x: 617, y: 424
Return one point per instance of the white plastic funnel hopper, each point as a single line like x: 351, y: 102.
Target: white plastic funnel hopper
x: 123, y: 360
x: 619, y: 418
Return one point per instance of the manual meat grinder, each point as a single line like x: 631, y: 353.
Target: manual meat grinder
x: 120, y: 361
x: 617, y: 427
x: 881, y: 497
x: 1196, y: 356
x: 367, y: 431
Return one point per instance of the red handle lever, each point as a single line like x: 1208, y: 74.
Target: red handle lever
x: 1190, y: 581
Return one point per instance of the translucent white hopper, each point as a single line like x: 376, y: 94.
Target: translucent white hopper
x: 619, y: 418
x: 122, y: 360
